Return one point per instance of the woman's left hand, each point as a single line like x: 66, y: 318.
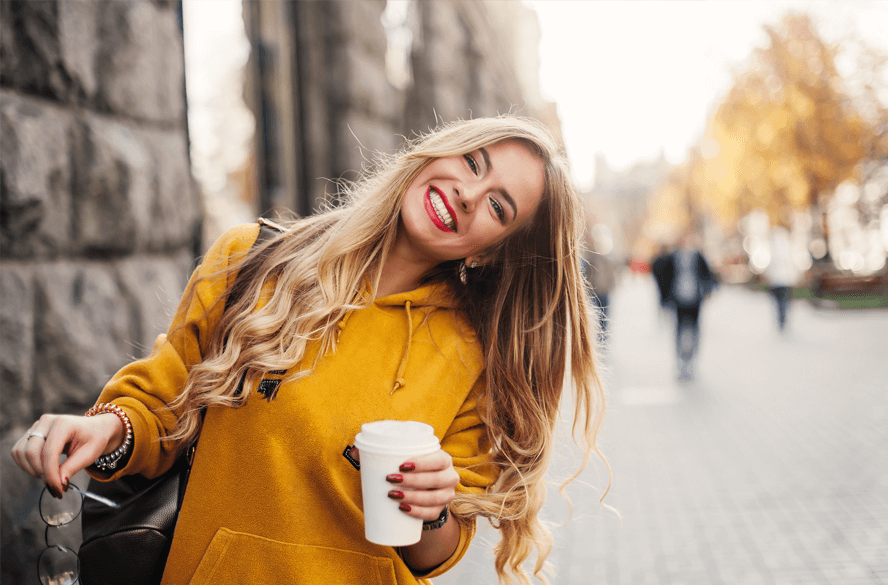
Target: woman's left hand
x: 424, y: 485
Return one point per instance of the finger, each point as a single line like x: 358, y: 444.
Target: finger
x: 58, y: 436
x: 80, y: 457
x: 355, y: 454
x: 33, y: 451
x: 20, y: 457
x: 429, y: 480
x: 434, y: 462
x: 27, y: 451
x: 421, y: 512
x: 426, y: 498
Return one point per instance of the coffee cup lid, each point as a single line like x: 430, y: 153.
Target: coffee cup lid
x: 397, y: 436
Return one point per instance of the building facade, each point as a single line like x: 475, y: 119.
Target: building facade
x: 321, y: 86
x: 100, y: 218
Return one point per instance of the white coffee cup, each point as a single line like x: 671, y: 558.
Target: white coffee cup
x: 383, y: 446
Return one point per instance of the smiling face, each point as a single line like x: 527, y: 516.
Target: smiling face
x: 460, y: 206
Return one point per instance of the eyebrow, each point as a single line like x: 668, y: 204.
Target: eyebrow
x: 505, y: 194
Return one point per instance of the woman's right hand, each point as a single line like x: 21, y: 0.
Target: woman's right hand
x: 83, y: 439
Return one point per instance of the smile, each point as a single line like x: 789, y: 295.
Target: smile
x: 439, y: 211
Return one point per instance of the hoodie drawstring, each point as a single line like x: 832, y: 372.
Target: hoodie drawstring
x: 399, y: 377
x: 341, y: 325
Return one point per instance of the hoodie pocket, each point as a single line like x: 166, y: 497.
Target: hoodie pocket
x: 234, y: 558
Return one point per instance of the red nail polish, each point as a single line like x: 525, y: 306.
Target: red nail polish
x: 407, y: 467
x: 404, y: 507
x: 394, y: 478
x: 396, y: 495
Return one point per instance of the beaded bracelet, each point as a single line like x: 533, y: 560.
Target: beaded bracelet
x: 109, y: 462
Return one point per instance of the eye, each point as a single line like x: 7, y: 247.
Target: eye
x: 471, y: 162
x: 498, y: 209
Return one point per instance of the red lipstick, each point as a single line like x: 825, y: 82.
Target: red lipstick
x: 433, y: 215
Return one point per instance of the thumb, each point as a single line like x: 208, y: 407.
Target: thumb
x: 79, y: 458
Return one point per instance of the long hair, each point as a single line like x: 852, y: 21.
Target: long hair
x: 527, y: 304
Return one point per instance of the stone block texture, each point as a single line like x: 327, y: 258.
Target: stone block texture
x: 110, y: 56
x: 35, y: 177
x: 16, y: 345
x: 460, y: 69
x: 98, y: 215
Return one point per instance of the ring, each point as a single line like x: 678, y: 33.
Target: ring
x: 35, y: 434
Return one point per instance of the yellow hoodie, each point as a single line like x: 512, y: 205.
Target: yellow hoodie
x: 271, y: 498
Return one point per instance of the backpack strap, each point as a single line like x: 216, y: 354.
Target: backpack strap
x: 268, y: 230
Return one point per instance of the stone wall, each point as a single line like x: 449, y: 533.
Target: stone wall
x: 98, y: 215
x: 99, y: 220
x: 367, y: 111
x: 464, y: 63
x: 468, y: 59
x: 338, y: 104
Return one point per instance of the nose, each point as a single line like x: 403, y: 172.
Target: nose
x: 468, y: 195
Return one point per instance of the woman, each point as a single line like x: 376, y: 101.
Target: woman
x: 446, y: 290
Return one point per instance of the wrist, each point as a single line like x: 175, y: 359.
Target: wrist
x: 437, y: 522
x: 121, y: 439
x: 113, y: 428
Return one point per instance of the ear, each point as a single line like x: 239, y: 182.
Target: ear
x: 474, y: 261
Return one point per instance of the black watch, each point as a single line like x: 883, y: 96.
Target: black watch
x: 438, y: 522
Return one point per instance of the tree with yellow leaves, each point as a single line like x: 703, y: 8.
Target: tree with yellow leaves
x: 789, y: 131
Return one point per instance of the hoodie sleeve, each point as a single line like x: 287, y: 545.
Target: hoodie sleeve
x: 145, y: 387
x: 466, y: 441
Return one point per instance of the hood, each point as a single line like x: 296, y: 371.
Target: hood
x: 436, y: 295
x: 431, y: 295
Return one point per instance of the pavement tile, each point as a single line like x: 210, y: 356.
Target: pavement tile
x: 771, y: 468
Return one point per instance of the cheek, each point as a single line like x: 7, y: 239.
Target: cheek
x: 491, y: 232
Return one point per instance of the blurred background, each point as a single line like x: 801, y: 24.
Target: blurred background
x: 134, y: 133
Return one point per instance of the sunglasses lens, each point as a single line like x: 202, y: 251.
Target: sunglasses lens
x: 58, y: 566
x: 58, y: 512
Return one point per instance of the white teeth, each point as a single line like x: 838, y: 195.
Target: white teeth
x: 441, y: 210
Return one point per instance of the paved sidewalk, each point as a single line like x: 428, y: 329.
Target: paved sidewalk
x: 771, y: 468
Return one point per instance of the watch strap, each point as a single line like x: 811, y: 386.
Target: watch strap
x: 438, y: 522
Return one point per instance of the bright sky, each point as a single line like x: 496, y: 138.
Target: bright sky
x: 634, y: 78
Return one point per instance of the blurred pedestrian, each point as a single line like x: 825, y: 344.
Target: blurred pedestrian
x: 780, y: 274
x: 290, y: 345
x: 685, y: 280
x: 601, y: 279
x: 661, y: 269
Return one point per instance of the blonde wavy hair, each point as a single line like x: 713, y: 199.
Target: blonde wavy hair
x: 527, y: 304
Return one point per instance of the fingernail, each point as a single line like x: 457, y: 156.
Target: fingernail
x: 394, y: 478
x: 404, y: 507
x: 65, y: 483
x: 407, y: 467
x: 396, y: 495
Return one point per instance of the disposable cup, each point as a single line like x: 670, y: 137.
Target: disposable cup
x: 383, y: 446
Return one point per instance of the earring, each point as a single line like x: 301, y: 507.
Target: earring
x: 463, y: 276
x: 474, y: 264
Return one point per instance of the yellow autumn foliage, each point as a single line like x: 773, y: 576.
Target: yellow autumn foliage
x: 786, y: 134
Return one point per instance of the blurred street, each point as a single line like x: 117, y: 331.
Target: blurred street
x: 770, y: 468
